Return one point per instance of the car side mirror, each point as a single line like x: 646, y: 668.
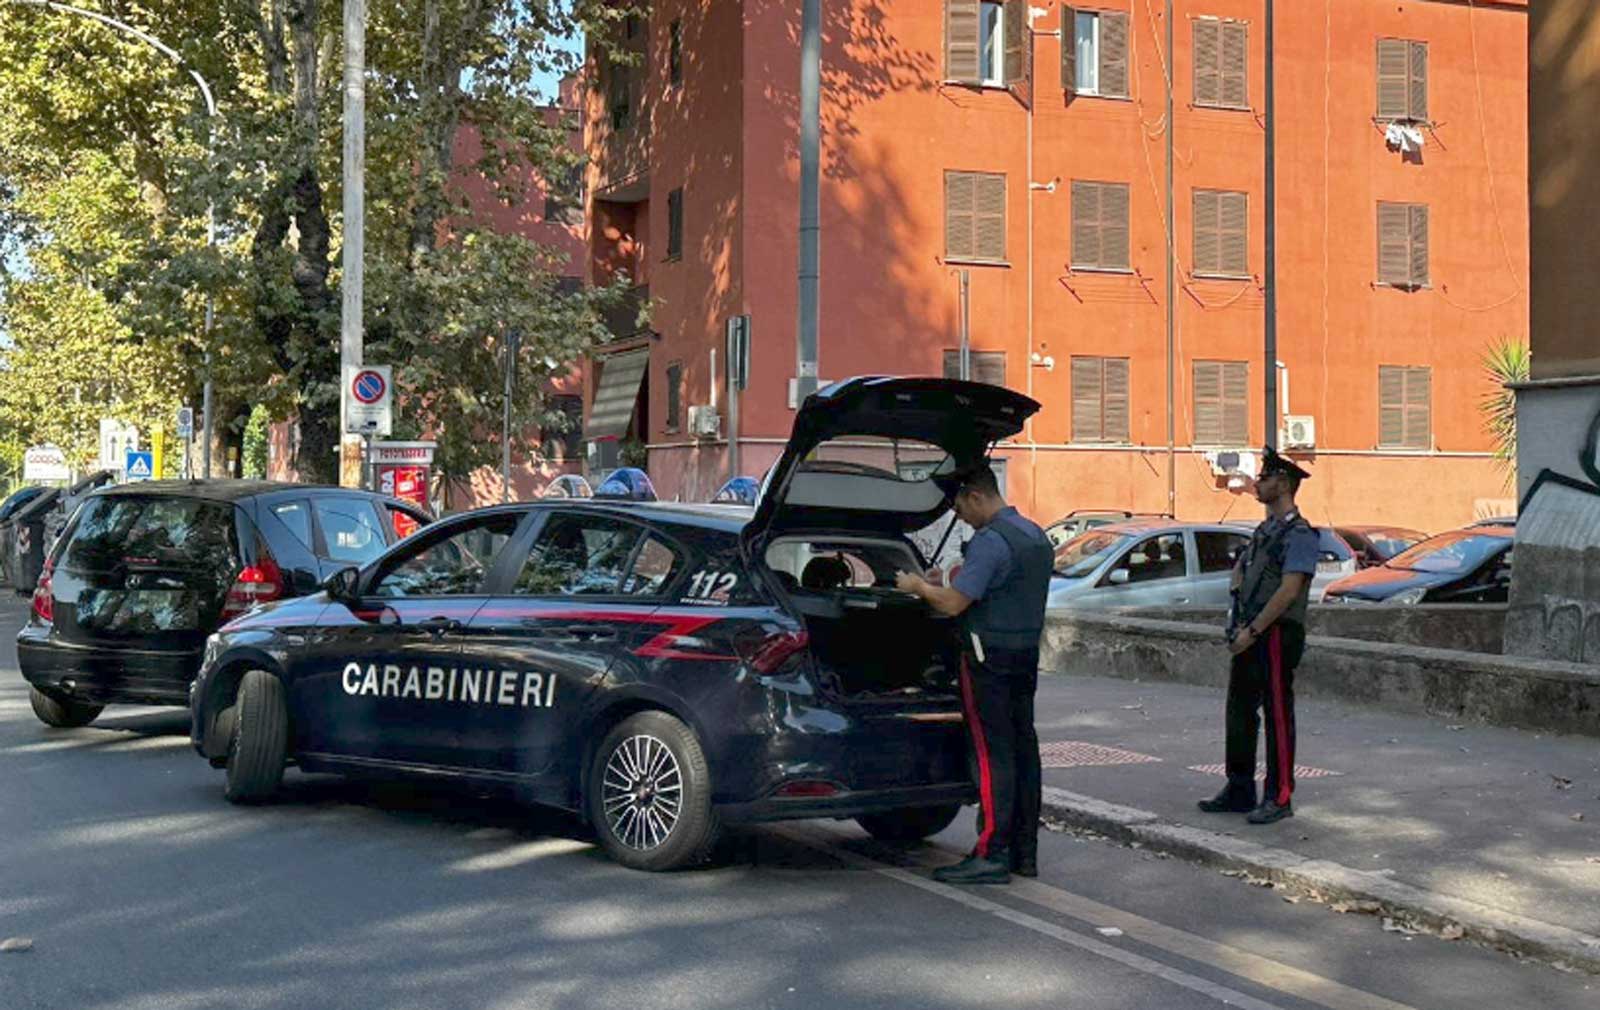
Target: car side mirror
x: 1118, y: 577
x: 341, y: 585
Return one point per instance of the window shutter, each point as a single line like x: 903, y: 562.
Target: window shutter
x: 1236, y: 402
x: 1418, y: 227
x: 1114, y: 226
x: 1116, y: 400
x: 1417, y: 82
x: 1208, y: 402
x: 1419, y: 408
x: 1085, y: 224
x: 1207, y: 248
x: 1114, y: 54
x: 1394, y: 247
x: 1235, y: 73
x: 1233, y: 234
x: 989, y: 217
x: 961, y: 41
x: 959, y: 204
x: 987, y: 366
x: 1394, y: 78
x: 1069, y: 50
x: 1019, y: 51
x: 1087, y: 404
x: 675, y: 223
x: 1207, y: 61
x: 1391, y: 407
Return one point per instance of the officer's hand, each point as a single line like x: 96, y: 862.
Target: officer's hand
x: 1242, y: 642
x: 906, y: 582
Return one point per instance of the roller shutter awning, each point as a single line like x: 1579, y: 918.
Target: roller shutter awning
x: 616, y: 394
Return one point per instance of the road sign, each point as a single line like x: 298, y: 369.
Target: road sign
x: 117, y: 438
x: 396, y: 453
x: 185, y: 422
x: 45, y: 462
x: 738, y: 351
x: 367, y: 405
x: 140, y: 465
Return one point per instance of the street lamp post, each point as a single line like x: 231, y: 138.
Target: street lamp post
x: 211, y: 210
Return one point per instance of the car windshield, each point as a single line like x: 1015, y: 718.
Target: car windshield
x: 1461, y: 551
x: 1081, y: 555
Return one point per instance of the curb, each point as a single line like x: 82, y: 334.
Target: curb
x: 1327, y: 881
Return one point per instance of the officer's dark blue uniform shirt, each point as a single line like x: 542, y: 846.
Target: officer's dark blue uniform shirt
x: 986, y: 561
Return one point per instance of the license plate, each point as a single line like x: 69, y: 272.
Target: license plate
x: 1327, y: 567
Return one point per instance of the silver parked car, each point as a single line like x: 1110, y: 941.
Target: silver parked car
x: 1147, y: 563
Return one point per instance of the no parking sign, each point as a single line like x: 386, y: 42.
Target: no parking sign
x: 369, y: 392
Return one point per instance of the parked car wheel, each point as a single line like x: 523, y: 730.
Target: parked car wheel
x: 260, y: 739
x: 912, y: 825
x: 649, y: 794
x: 62, y: 713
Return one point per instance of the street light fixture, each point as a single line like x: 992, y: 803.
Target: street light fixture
x: 211, y: 214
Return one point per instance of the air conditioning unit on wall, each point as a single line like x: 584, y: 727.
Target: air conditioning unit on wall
x: 1299, y: 432
x: 705, y: 422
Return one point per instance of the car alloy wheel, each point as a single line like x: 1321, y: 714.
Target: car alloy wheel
x: 642, y: 792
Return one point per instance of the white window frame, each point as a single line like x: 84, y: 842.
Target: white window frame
x: 1088, y: 82
x: 994, y: 48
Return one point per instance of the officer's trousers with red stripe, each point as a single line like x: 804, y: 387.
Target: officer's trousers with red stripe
x: 997, y: 697
x: 1262, y: 681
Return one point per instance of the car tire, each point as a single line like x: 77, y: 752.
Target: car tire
x: 656, y: 753
x: 259, y: 743
x: 912, y: 824
x: 62, y: 713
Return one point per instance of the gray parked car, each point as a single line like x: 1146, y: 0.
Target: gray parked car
x: 1146, y: 563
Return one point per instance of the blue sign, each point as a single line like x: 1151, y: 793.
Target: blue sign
x: 141, y: 465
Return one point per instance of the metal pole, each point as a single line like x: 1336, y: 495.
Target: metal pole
x: 1172, y: 298
x: 355, y: 230
x: 966, y: 324
x: 1272, y: 246
x: 512, y: 342
x: 205, y: 393
x: 810, y: 196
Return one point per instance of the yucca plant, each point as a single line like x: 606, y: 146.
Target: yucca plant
x: 1506, y: 362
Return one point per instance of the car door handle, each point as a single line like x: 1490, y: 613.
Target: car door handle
x: 437, y: 626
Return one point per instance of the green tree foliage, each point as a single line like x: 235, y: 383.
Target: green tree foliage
x: 1505, y: 363
x: 108, y: 164
x: 253, y: 459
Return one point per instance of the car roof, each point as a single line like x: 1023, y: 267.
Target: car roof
x: 1370, y: 530
x: 721, y: 518
x: 1158, y: 525
x: 229, y: 490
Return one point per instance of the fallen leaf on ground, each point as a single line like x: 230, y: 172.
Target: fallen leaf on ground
x: 1233, y: 873
x: 1344, y: 907
x: 1577, y: 817
x: 1452, y: 932
x: 1109, y: 931
x: 1591, y: 859
x: 1293, y: 899
x: 1455, y: 729
x: 1391, y: 926
x: 15, y: 945
x: 1561, y: 783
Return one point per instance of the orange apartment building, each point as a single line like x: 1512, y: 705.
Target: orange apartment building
x: 1034, y: 162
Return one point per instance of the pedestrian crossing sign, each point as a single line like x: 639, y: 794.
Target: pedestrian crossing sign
x: 141, y: 466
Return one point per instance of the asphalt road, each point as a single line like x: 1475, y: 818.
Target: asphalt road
x: 141, y: 888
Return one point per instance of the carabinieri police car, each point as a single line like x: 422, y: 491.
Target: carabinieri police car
x: 661, y: 669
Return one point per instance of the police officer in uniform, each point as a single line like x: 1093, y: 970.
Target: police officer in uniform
x: 999, y: 593
x: 1267, y: 635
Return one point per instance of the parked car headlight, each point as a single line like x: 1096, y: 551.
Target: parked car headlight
x: 1408, y: 597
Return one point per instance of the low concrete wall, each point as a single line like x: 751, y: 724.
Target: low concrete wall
x: 1505, y: 691
x: 1473, y: 627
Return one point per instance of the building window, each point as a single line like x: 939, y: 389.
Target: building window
x: 983, y: 366
x: 1221, y: 233
x: 1100, y: 400
x: 675, y: 396
x: 1222, y: 403
x: 975, y: 216
x: 1405, y: 407
x: 631, y: 26
x: 1402, y: 80
x: 1100, y: 225
x: 563, y: 201
x: 1403, y: 245
x: 1221, y: 63
x: 675, y: 224
x: 620, y: 96
x: 675, y: 53
x: 986, y: 43
x: 1094, y: 53
x: 563, y: 439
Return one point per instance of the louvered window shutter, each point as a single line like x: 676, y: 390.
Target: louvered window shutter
x: 1207, y: 238
x: 1419, y: 408
x: 1394, y: 78
x: 961, y: 41
x: 989, y: 217
x: 1391, y: 407
x: 1085, y: 224
x: 1114, y: 226
x: 1116, y: 401
x: 1069, y: 50
x: 1417, y: 82
x: 1236, y: 402
x: 989, y: 366
x: 959, y: 205
x: 1019, y: 50
x: 1087, y: 406
x: 1208, y: 402
x: 1113, y: 54
x: 1418, y: 228
x: 1207, y: 61
x: 1394, y: 244
x: 1235, y: 72
x: 1233, y: 234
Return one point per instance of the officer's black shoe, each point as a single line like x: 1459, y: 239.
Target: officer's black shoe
x: 976, y: 870
x: 1230, y: 801
x: 1025, y: 865
x: 1270, y: 813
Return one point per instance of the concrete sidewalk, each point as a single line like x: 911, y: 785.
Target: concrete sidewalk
x: 1492, y: 832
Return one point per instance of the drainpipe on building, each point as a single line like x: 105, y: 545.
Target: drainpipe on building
x: 1172, y: 295
x: 1271, y: 189
x: 810, y: 198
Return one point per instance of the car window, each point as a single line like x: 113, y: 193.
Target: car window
x: 1218, y: 551
x: 1081, y: 555
x: 402, y: 522
x: 578, y: 555
x: 654, y: 568
x: 1332, y: 547
x: 455, y: 565
x: 296, y: 516
x: 350, y: 530
x: 1155, y: 557
x: 1462, y: 551
x: 172, y: 532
